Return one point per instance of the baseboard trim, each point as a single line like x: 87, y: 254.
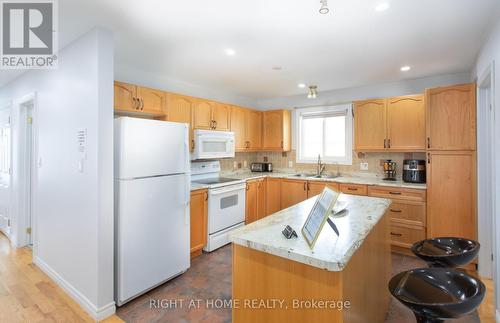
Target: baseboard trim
x: 97, y: 314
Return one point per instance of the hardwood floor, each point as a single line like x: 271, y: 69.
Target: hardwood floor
x: 28, y: 295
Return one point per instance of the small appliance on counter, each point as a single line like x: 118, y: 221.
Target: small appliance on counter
x: 389, y: 170
x: 261, y: 167
x: 414, y: 171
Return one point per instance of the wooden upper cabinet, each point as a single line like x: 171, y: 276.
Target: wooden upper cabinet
x: 292, y: 192
x: 125, y: 97
x: 238, y: 126
x: 273, y: 195
x: 276, y: 133
x: 202, y: 114
x: 221, y: 115
x: 451, y: 194
x: 179, y: 108
x: 151, y: 101
x: 406, y: 123
x: 254, y: 129
x: 370, y: 126
x: 198, y: 219
x: 451, y: 117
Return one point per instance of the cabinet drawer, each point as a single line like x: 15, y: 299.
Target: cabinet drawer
x: 397, y: 193
x: 354, y: 189
x: 406, y: 236
x: 412, y: 213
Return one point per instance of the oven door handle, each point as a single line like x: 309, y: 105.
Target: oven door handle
x: 226, y: 189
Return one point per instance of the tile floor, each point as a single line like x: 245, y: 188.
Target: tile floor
x: 210, y: 278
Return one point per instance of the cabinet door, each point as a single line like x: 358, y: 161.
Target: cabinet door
x: 251, y: 206
x: 370, y: 125
x: 315, y: 188
x: 179, y: 110
x: 261, y: 198
x: 273, y: 130
x: 202, y: 114
x: 152, y: 101
x: 221, y: 114
x: 254, y: 129
x: 451, y: 117
x: 273, y: 195
x: 125, y: 97
x: 198, y: 209
x: 451, y: 194
x: 238, y: 126
x: 406, y: 123
x: 292, y: 192
x: 354, y: 189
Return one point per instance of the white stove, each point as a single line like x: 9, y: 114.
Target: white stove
x: 226, y: 202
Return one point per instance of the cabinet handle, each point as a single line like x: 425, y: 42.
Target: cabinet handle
x: 192, y: 144
x: 206, y: 196
x: 352, y: 189
x: 396, y: 234
x: 282, y: 145
x: 388, y: 143
x: 308, y: 186
x: 395, y: 193
x: 134, y: 104
x: 305, y: 186
x: 142, y: 104
x: 428, y: 142
x: 215, y: 124
x: 428, y: 158
x: 395, y: 211
x: 385, y: 143
x: 248, y: 187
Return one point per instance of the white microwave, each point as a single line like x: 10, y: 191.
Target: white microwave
x: 209, y: 144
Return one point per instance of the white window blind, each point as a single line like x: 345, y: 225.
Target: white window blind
x: 327, y: 132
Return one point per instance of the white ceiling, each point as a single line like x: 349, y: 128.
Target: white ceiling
x: 351, y: 46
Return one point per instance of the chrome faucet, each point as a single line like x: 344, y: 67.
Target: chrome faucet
x: 338, y: 170
x: 320, y: 167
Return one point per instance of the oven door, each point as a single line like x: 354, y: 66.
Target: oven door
x: 226, y: 207
x: 213, y: 144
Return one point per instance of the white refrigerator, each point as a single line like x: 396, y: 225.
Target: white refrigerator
x: 152, y: 191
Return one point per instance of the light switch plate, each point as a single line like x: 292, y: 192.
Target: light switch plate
x: 235, y: 165
x: 245, y: 164
x: 363, y: 166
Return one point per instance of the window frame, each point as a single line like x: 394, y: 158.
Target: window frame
x: 347, y: 108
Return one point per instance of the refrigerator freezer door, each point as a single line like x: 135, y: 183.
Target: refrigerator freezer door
x: 152, y: 233
x: 145, y: 148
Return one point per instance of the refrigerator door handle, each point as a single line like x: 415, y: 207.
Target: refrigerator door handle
x: 187, y: 199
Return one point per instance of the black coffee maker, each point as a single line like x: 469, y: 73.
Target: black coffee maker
x: 414, y: 171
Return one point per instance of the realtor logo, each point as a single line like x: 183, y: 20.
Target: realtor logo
x: 28, y: 34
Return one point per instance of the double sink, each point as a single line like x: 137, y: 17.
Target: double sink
x: 305, y: 175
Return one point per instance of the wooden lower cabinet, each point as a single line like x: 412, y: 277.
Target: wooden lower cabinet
x: 199, y: 221
x: 354, y: 189
x: 273, y: 195
x: 315, y: 188
x: 292, y: 192
x: 255, y: 204
x: 405, y: 236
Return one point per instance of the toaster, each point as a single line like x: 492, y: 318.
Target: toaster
x: 261, y: 167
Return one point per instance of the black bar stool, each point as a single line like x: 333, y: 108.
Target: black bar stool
x: 437, y: 294
x: 446, y: 251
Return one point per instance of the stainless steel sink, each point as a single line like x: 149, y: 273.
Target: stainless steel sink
x: 327, y: 176
x: 303, y: 175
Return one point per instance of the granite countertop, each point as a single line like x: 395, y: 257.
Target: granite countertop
x: 331, y: 252
x: 351, y: 179
x: 198, y: 186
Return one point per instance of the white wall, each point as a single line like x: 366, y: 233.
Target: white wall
x: 491, y: 53
x: 364, y: 92
x: 135, y: 76
x: 5, y: 179
x: 73, y: 211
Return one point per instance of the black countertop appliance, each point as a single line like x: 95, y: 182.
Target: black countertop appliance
x: 414, y: 171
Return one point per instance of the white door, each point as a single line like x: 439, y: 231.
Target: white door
x: 152, y: 238
x: 145, y: 148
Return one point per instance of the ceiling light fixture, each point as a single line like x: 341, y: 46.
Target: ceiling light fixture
x: 277, y: 68
x: 230, y: 51
x: 301, y: 85
x: 324, y: 7
x: 313, y: 93
x: 382, y: 6
x: 405, y: 68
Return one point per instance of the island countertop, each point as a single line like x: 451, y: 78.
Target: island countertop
x: 331, y: 252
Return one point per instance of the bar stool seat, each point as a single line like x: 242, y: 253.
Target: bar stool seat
x: 437, y: 294
x: 446, y: 251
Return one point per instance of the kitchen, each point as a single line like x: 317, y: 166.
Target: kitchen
x: 190, y: 200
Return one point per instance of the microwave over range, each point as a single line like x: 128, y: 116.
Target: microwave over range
x: 209, y: 144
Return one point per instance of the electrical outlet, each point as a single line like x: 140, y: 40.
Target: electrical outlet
x: 290, y: 164
x: 363, y: 166
x: 235, y: 165
x: 245, y: 164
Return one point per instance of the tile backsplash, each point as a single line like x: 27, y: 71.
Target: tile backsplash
x: 281, y: 162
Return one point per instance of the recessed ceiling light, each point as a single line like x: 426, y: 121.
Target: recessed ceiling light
x: 301, y: 85
x: 230, y: 51
x: 277, y: 68
x: 405, y: 68
x: 383, y: 6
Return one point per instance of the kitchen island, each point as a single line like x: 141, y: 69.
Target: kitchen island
x: 342, y: 279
